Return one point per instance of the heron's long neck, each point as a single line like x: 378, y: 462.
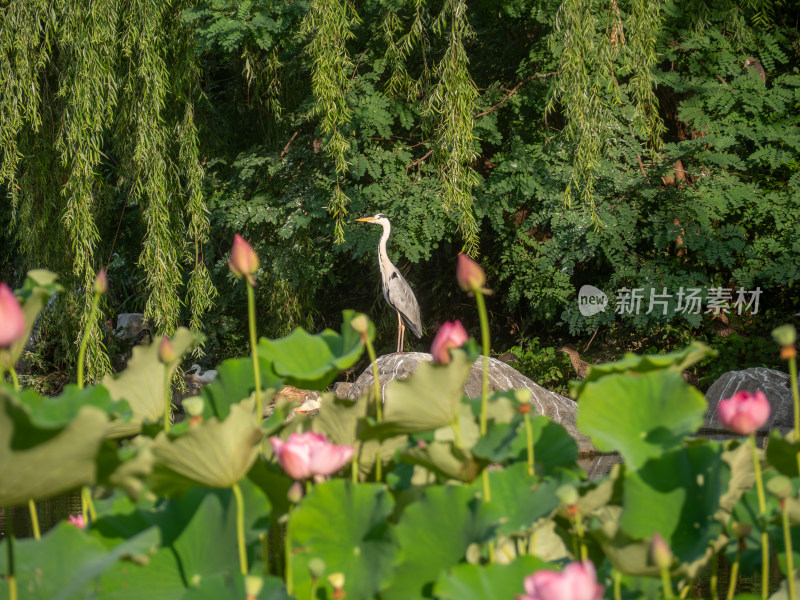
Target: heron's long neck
x: 383, y: 257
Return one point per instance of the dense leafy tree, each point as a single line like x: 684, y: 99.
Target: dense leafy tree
x: 617, y: 143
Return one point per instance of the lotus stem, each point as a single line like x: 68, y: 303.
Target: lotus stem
x: 251, y: 314
x: 88, y: 504
x: 487, y: 489
x: 714, y: 580
x: 14, y: 379
x: 734, y: 574
x: 376, y: 390
x: 34, y: 519
x: 12, y: 581
x: 796, y: 398
x: 167, y: 401
x: 240, y: 528
x: 584, y: 553
x: 85, y: 339
x: 617, y: 585
x: 666, y: 583
x: 288, y: 551
x: 485, y: 342
x: 263, y: 538
x: 529, y: 438
x: 762, y: 507
x: 787, y: 540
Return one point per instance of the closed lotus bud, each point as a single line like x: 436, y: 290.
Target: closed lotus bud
x: 295, y: 493
x: 744, y: 412
x: 12, y: 320
x: 244, y: 260
x: 567, y: 495
x: 193, y: 406
x: 253, y: 584
x: 360, y: 323
x: 101, y: 282
x: 471, y: 277
x: 741, y: 530
x: 450, y: 335
x: 166, y: 352
x: 336, y: 580
x: 316, y: 566
x: 660, y: 552
x: 785, y: 335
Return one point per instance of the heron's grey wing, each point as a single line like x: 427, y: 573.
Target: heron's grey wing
x: 401, y: 297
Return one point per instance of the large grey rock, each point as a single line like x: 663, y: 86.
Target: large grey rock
x: 502, y: 377
x: 775, y: 386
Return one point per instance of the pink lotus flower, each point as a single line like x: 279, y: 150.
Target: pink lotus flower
x: 101, y: 282
x: 244, y: 260
x: 471, y: 277
x: 12, y: 321
x: 310, y: 454
x: 77, y: 520
x: 450, y: 335
x: 744, y: 412
x: 577, y: 581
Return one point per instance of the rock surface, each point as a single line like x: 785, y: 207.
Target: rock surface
x: 502, y: 377
x: 774, y: 384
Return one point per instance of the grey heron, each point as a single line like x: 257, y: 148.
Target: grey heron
x: 395, y: 288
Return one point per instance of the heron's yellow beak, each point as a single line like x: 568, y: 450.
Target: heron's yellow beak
x: 367, y: 219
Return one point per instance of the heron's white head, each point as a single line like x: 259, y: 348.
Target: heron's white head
x: 379, y: 219
x: 195, y: 367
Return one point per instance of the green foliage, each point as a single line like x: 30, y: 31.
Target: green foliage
x: 547, y: 366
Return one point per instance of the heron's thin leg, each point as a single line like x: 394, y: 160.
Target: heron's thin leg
x: 403, y: 338
x: 399, y: 333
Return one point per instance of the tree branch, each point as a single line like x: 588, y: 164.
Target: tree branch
x: 513, y: 91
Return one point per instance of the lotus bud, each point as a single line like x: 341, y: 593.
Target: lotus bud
x: 193, y: 406
x: 744, y: 412
x: 780, y: 486
x: 166, y: 352
x: 471, y: 277
x: 337, y: 582
x: 78, y: 520
x: 309, y: 454
x: 567, y: 495
x: 578, y: 581
x: 316, y: 566
x: 786, y: 337
x: 295, y: 493
x: 12, y: 320
x: 741, y: 530
x: 101, y: 282
x: 660, y: 552
x: 253, y: 584
x: 450, y: 335
x: 244, y: 260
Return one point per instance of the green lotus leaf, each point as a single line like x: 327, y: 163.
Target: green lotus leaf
x: 235, y: 382
x: 427, y: 400
x: 640, y: 416
x: 523, y: 498
x: 782, y: 453
x: 231, y: 587
x: 445, y: 459
x: 487, y: 582
x: 142, y: 382
x: 37, y: 289
x: 38, y: 463
x: 53, y: 412
x: 312, y: 362
x: 676, y: 361
x: 434, y: 534
x: 677, y: 495
x: 213, y: 453
x: 65, y: 563
x: 346, y: 526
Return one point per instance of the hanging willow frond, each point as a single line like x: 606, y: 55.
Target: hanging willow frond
x: 26, y: 27
x: 644, y: 24
x: 452, y: 103
x: 329, y: 24
x: 89, y: 91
